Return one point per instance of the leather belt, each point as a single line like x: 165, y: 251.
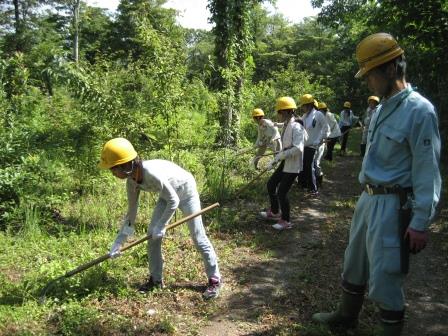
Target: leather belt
x: 382, y: 190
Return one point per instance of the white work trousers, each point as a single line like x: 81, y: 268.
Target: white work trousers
x: 198, y: 235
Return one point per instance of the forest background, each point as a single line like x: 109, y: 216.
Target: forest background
x: 73, y: 76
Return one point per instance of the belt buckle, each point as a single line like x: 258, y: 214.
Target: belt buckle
x: 369, y: 190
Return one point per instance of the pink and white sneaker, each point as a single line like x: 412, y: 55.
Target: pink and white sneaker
x: 268, y: 214
x: 282, y: 225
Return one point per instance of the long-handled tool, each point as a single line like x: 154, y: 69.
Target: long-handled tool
x: 269, y: 154
x: 248, y: 184
x: 107, y: 256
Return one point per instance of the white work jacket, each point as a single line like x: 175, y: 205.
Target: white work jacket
x: 267, y: 132
x: 335, y: 131
x: 172, y: 183
x: 316, y: 127
x: 293, y: 139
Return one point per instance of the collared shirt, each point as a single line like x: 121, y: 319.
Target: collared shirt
x: 403, y: 148
x: 316, y: 126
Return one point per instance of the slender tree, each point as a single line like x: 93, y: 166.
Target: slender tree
x: 233, y: 44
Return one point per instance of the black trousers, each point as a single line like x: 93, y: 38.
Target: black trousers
x: 278, y: 186
x: 345, y: 130
x: 330, y: 146
x: 308, y: 178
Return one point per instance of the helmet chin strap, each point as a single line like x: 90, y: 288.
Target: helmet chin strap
x: 129, y: 172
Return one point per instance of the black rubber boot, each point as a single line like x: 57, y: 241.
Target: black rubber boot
x: 391, y: 322
x: 346, y: 316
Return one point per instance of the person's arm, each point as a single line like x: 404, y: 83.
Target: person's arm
x: 271, y: 130
x: 426, y: 180
x: 169, y: 195
x: 127, y: 224
x: 324, y: 128
x: 259, y: 137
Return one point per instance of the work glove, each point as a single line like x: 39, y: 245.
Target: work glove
x: 115, y: 249
x: 126, y: 230
x: 158, y: 233
x: 280, y: 156
x: 271, y: 164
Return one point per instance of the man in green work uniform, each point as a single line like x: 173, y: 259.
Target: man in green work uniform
x: 400, y: 170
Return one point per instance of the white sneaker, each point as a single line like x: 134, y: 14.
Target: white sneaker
x: 282, y: 225
x: 269, y: 215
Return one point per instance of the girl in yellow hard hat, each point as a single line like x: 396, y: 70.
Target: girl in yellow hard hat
x: 176, y: 188
x: 346, y: 121
x: 268, y: 135
x: 291, y: 164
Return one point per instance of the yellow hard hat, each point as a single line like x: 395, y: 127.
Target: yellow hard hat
x: 347, y: 104
x: 258, y: 112
x: 307, y: 99
x: 374, y: 50
x: 322, y: 105
x: 285, y: 103
x: 115, y: 152
x: 374, y: 98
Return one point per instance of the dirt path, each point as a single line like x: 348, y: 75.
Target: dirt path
x: 274, y: 288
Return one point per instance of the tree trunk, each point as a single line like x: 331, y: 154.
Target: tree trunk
x: 76, y: 31
x: 18, y: 26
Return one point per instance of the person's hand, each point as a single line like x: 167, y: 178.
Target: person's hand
x: 115, y: 249
x: 271, y: 164
x: 417, y: 239
x: 157, y: 233
x: 280, y: 156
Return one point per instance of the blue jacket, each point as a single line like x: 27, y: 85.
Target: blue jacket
x: 403, y: 147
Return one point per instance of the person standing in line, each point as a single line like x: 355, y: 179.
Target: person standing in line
x: 319, y: 174
x: 268, y: 136
x: 176, y: 188
x: 373, y: 102
x: 316, y: 127
x: 345, y: 124
x: 291, y: 164
x: 335, y: 132
x: 401, y: 178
